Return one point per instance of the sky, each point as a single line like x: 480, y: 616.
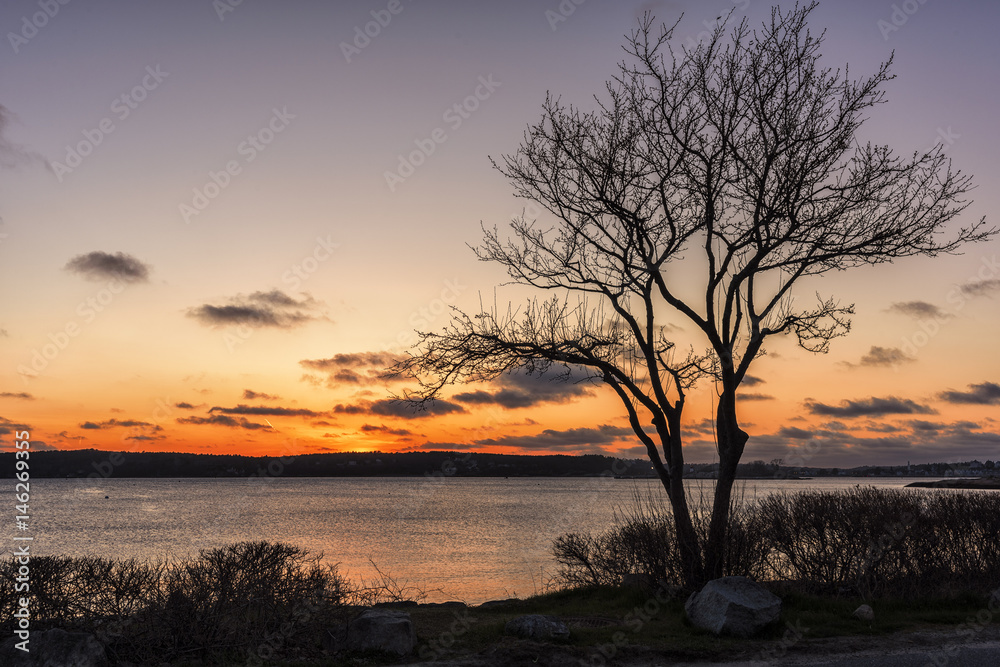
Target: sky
x: 221, y: 221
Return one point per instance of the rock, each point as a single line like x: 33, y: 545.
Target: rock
x: 382, y: 630
x: 536, y: 626
x: 451, y: 604
x: 498, y: 603
x: 54, y: 647
x: 864, y: 613
x: 734, y: 606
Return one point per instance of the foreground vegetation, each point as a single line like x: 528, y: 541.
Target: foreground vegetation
x: 868, y: 542
x: 923, y: 561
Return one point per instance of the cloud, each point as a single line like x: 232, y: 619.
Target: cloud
x: 918, y: 309
x: 751, y: 396
x: 873, y: 406
x: 7, y: 426
x: 980, y: 288
x: 260, y: 309
x: 250, y: 395
x: 523, y: 390
x: 104, y: 266
x: 114, y: 423
x: 916, y: 440
x: 390, y: 407
x: 369, y: 428
x: 795, y: 433
x: 265, y: 411
x: 570, y: 439
x: 23, y: 395
x: 986, y: 393
x: 353, y: 368
x: 446, y: 446
x: 883, y: 356
x: 12, y: 155
x: 751, y: 381
x: 224, y: 420
x: 184, y: 406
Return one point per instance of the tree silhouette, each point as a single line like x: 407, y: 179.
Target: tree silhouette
x: 708, y: 182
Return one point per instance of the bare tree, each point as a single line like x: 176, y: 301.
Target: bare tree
x: 708, y: 182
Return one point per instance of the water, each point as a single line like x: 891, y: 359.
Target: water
x: 470, y: 539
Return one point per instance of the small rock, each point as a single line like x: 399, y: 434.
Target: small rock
x: 451, y: 604
x: 733, y: 606
x: 537, y: 626
x: 54, y: 647
x: 864, y: 613
x: 382, y: 630
x: 498, y: 603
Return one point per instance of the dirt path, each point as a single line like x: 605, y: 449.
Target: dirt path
x: 937, y: 648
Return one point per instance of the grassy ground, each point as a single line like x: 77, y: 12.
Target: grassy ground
x: 610, y: 626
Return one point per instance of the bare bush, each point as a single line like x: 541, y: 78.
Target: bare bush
x: 865, y: 541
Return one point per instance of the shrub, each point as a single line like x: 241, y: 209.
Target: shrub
x: 867, y: 541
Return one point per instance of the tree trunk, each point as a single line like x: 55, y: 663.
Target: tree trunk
x: 688, y: 545
x: 732, y: 440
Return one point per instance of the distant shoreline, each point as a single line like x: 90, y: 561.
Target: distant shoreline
x: 960, y: 483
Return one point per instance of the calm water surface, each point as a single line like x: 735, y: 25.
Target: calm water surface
x: 470, y: 539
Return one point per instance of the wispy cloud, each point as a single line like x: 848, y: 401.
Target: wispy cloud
x: 7, y: 426
x: 352, y: 368
x: 13, y: 155
x: 986, y: 393
x: 224, y: 420
x: 266, y: 411
x: 99, y: 265
x: 115, y: 423
x: 752, y: 396
x: 918, y: 309
x: 874, y: 406
x: 521, y: 390
x: 573, y: 439
x: 370, y: 428
x: 260, y: 309
x: 250, y: 395
x: 23, y: 395
x: 882, y: 356
x: 981, y: 288
x: 390, y: 407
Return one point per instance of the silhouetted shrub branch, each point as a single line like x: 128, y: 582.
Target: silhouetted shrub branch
x: 866, y: 541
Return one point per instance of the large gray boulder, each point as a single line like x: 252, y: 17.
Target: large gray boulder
x: 47, y: 648
x: 734, y: 606
x: 382, y: 630
x: 537, y: 626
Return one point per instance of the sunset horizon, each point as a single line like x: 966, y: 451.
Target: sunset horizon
x: 223, y: 243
